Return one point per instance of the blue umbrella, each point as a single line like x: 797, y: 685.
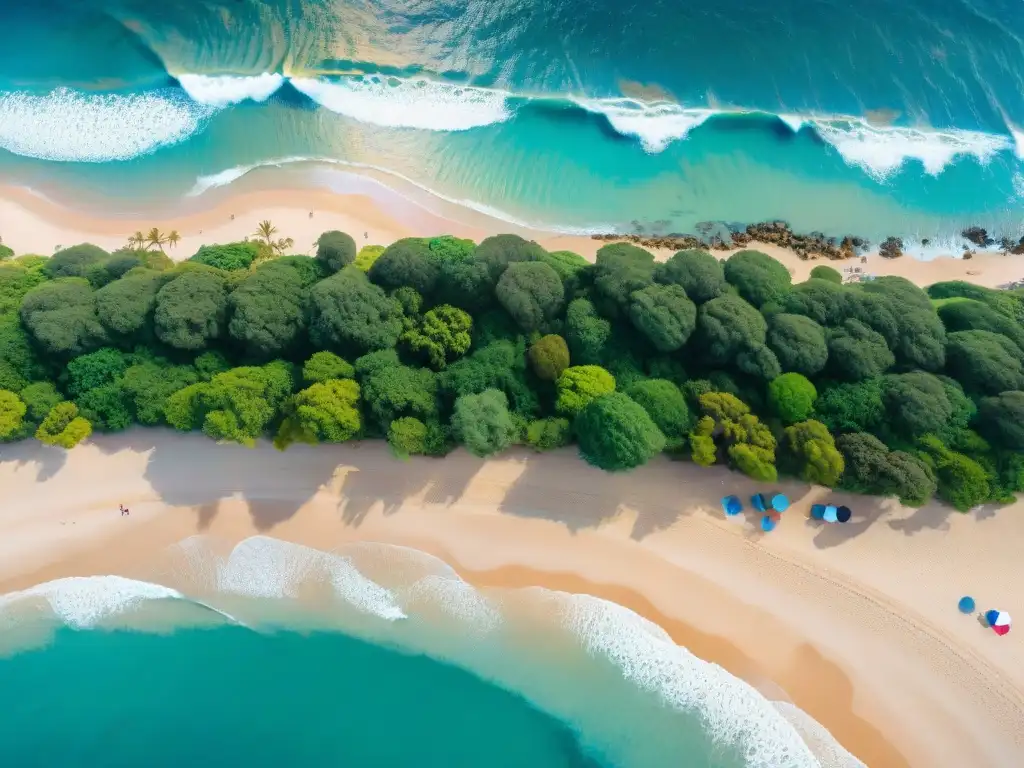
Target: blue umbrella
x: 818, y: 511
x: 831, y: 514
x: 758, y: 501
x: 732, y: 505
x: 767, y: 524
x: 966, y: 604
x: 779, y: 502
x: 843, y: 514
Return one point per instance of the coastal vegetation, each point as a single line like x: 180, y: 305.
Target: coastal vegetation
x: 431, y: 343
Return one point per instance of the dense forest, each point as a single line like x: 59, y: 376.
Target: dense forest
x: 877, y: 387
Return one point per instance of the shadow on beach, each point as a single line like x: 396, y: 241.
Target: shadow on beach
x: 48, y: 460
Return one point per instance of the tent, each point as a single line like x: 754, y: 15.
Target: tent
x: 779, y: 502
x: 767, y: 524
x: 843, y: 514
x: 759, y: 503
x: 831, y: 514
x: 731, y: 505
x: 999, y: 621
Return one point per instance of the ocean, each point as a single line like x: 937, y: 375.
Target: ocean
x: 877, y: 118
x: 270, y: 653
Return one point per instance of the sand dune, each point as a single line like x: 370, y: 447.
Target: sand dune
x: 858, y: 624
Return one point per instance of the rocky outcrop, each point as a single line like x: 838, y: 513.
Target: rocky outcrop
x: 978, y: 236
x: 891, y: 248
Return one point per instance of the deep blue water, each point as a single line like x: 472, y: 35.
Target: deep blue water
x: 875, y: 118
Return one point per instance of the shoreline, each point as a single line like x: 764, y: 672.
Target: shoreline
x: 375, y: 213
x: 800, y: 606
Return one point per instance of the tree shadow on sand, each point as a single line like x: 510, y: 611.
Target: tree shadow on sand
x: 46, y: 459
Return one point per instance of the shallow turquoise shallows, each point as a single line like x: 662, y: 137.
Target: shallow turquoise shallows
x: 886, y: 117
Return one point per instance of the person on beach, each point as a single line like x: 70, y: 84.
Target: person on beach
x: 121, y: 507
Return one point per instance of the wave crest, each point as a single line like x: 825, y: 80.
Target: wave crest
x: 66, y: 125
x: 408, y: 103
x: 225, y: 90
x: 655, y: 125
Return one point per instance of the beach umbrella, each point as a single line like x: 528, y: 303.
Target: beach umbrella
x: 818, y: 511
x: 966, y: 604
x: 999, y: 621
x: 732, y: 505
x: 831, y: 514
x: 843, y: 514
x: 779, y: 502
x: 767, y: 524
x: 758, y: 501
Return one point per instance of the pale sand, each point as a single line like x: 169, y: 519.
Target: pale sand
x: 32, y: 224
x: 857, y: 623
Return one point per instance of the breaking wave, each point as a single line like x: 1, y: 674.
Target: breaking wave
x: 400, y: 589
x: 225, y: 90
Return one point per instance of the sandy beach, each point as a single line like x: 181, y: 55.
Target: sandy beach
x: 30, y: 223
x: 857, y: 624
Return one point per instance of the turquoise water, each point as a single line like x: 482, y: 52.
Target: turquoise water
x: 270, y: 653
x: 874, y: 118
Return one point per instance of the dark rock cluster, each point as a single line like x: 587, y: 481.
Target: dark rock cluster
x: 891, y: 248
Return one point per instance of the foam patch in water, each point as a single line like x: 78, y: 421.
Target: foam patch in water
x: 733, y: 712
x: 72, y: 126
x: 655, y: 125
x: 881, y: 150
x: 225, y: 90
x: 84, y: 601
x: 400, y: 103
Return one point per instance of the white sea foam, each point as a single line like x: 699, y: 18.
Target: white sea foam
x: 829, y: 752
x: 84, y: 601
x: 408, y: 103
x: 66, y: 125
x: 261, y: 566
x: 732, y: 711
x: 655, y: 125
x: 881, y: 150
x: 458, y: 599
x: 1018, y: 141
x: 795, y: 122
x: 225, y: 90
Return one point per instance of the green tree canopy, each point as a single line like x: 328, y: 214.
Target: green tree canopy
x: 125, y: 306
x: 962, y: 482
x: 855, y: 352
x: 63, y: 427
x: 578, y: 385
x: 61, y: 317
x: 664, y: 314
x: 396, y: 391
x: 407, y: 437
x: 445, y: 248
x: 190, y: 310
x: 851, y: 407
x: 697, y: 272
x: 586, y: 332
x: 324, y: 366
x: 349, y: 313
x: 921, y: 341
x: 549, y: 356
x: 666, y: 406
x: 792, y: 397
x: 104, y: 366
x: 147, y: 385
x: 872, y: 468
x: 39, y: 398
x: 15, y: 282
x: 237, y: 405
x: 466, y: 284
x: 499, y: 365
x: 616, y: 434
x: 531, y: 292
x: 822, y: 301
x: 620, y: 270
x: 12, y: 414
x: 1001, y: 419
x: 972, y: 315
x: 915, y: 404
x: 570, y: 267
x: 877, y: 311
x: 325, y: 412
x: 759, y: 278
x: 108, y: 408
x: 823, y: 272
x: 727, y: 422
x: 441, y: 336
x: 310, y: 270
x: 267, y: 311
x: 75, y: 261
x: 335, y: 250
x: 984, y: 362
x: 798, y: 343
x: 370, y: 363
x: 811, y: 445
x: 495, y: 253
x: 406, y: 262
x: 548, y: 434
x: 483, y: 424
x: 728, y: 326
x: 230, y: 256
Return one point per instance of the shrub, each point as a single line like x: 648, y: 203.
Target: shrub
x: 63, y: 427
x: 759, y: 278
x: 335, y: 250
x: 483, y: 423
x: 792, y: 397
x: 666, y: 406
x: 548, y: 434
x: 531, y: 292
x: 549, y: 356
x: 75, y: 261
x: 697, y: 272
x: 616, y: 434
x: 580, y: 384
x: 406, y: 263
x: 324, y: 366
x: 823, y: 272
x: 407, y: 437
x: 229, y: 257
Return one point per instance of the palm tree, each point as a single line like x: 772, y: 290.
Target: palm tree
x: 137, y: 242
x: 156, y: 237
x: 173, y: 238
x: 282, y: 245
x: 266, y: 231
